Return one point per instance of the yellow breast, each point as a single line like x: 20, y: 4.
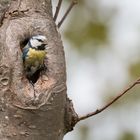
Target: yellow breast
x: 36, y: 55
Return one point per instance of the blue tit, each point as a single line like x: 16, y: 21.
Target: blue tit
x: 33, y: 55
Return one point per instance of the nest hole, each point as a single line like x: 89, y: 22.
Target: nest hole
x: 32, y: 79
x: 24, y: 42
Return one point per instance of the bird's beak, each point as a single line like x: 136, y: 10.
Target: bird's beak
x: 45, y: 43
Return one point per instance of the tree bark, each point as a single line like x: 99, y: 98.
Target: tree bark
x: 22, y: 117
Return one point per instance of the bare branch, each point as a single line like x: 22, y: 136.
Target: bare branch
x: 67, y: 12
x: 111, y: 102
x: 57, y: 9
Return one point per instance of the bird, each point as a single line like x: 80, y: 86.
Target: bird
x: 33, y: 55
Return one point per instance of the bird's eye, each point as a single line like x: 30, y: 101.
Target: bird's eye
x: 40, y: 40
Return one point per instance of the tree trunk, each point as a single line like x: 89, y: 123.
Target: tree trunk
x: 22, y: 117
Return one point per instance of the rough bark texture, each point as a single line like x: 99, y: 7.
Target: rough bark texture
x: 22, y: 117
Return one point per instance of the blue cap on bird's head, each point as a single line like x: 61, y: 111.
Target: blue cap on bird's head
x: 38, y: 42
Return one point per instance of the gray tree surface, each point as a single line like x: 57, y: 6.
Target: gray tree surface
x: 22, y: 117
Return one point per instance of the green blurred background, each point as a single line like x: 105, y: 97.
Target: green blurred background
x: 102, y: 46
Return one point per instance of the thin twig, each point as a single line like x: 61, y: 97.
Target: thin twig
x: 110, y: 103
x: 67, y: 12
x: 57, y: 9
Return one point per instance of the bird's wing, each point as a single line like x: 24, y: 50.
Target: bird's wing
x: 25, y: 53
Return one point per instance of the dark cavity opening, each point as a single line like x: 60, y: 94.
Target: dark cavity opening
x: 33, y: 78
x: 24, y: 43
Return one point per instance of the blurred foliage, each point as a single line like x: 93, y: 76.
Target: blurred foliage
x: 86, y: 27
x: 88, y: 30
x: 135, y: 70
x: 84, y: 132
x: 128, y: 136
x: 88, y: 33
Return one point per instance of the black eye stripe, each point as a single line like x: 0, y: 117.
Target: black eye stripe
x: 39, y: 40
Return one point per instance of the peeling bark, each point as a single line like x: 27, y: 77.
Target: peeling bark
x: 50, y: 115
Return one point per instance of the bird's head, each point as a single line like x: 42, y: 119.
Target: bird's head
x: 38, y: 42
